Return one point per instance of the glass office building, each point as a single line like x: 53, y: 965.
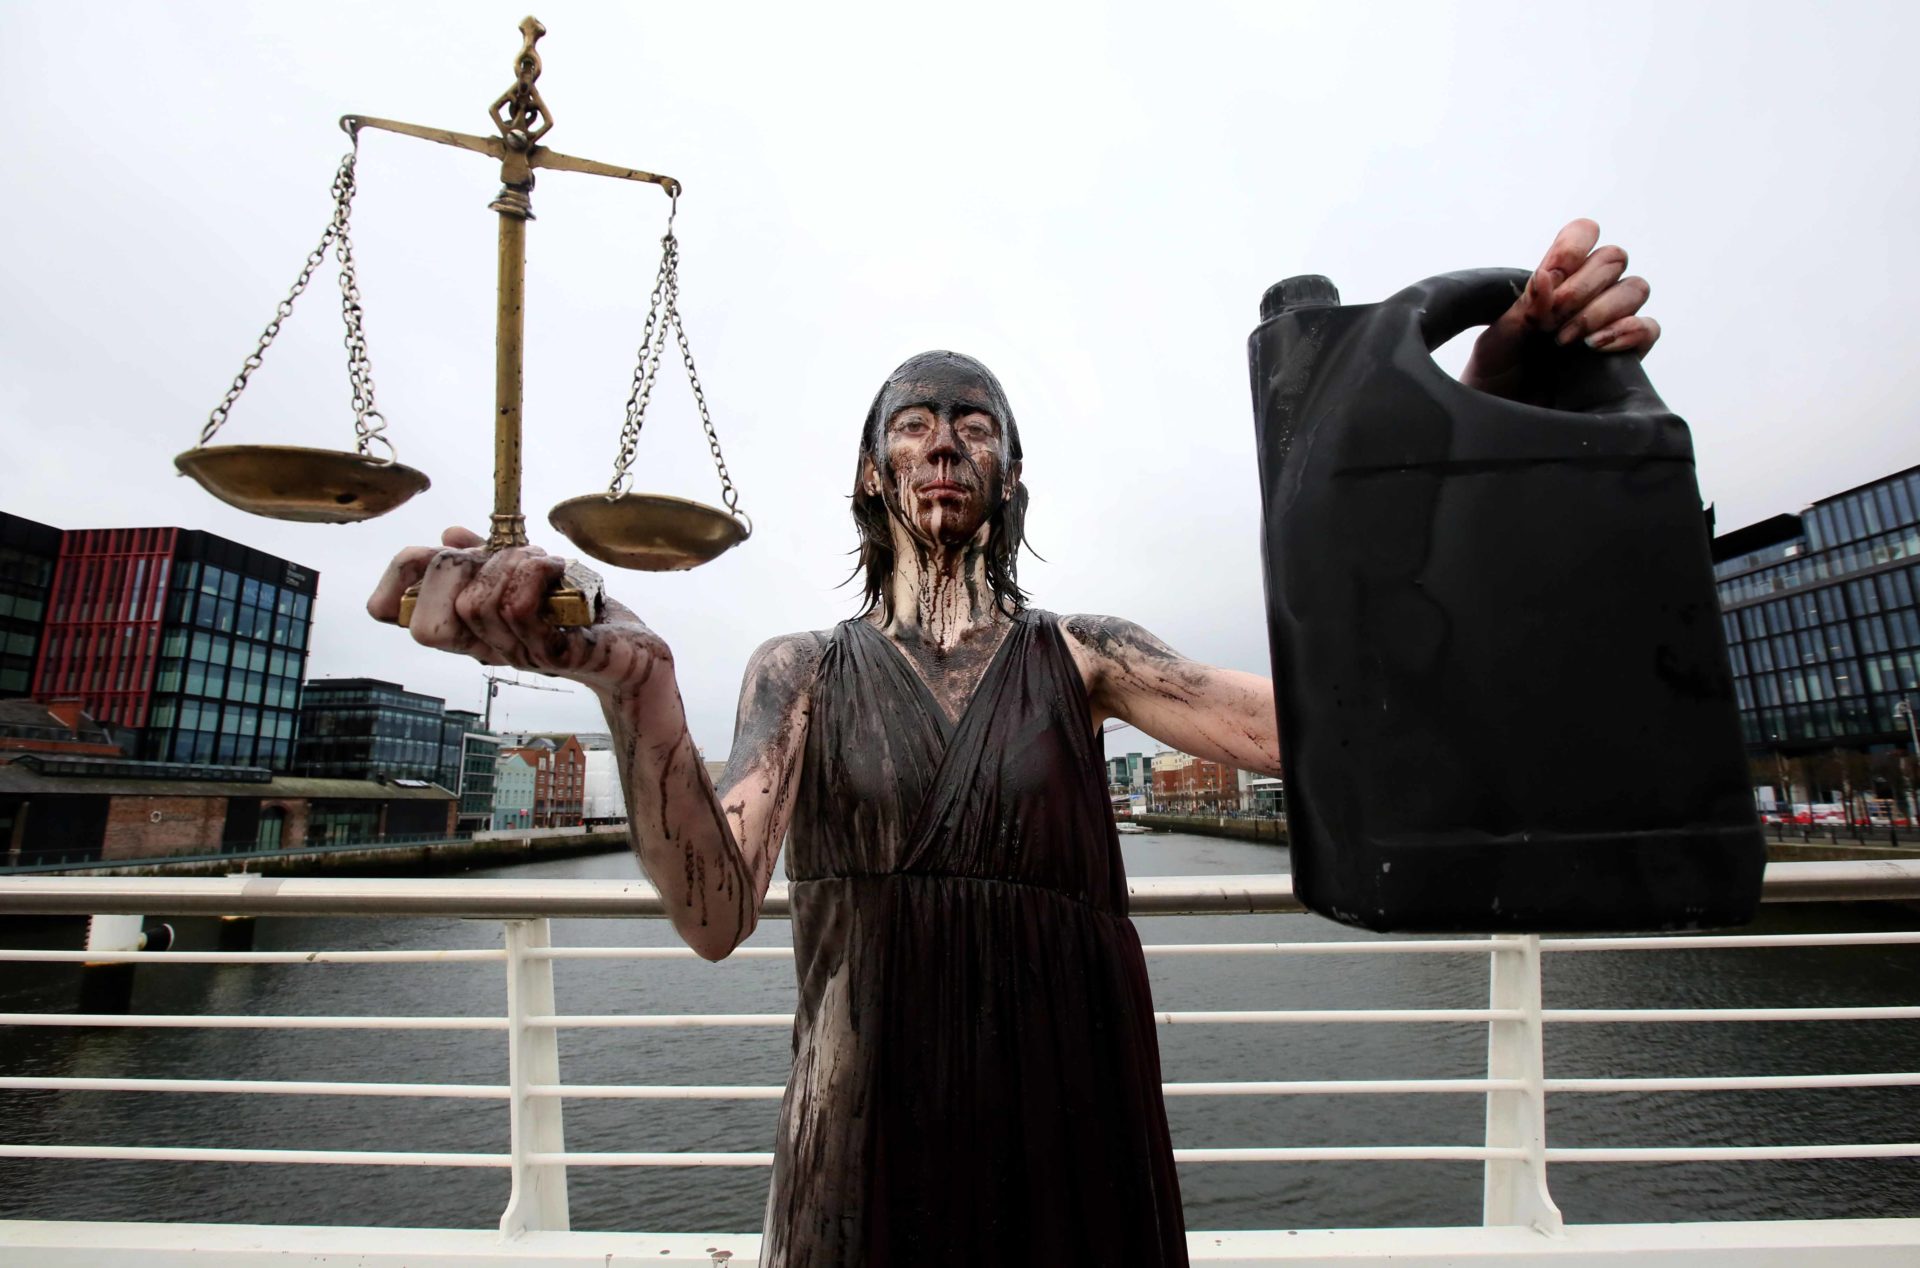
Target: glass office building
x: 479, y: 753
x: 363, y: 728
x: 198, y: 642
x: 1821, y: 622
x: 454, y: 725
x: 1131, y: 773
x: 28, y: 552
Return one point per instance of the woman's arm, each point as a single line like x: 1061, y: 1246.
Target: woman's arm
x: 710, y: 854
x: 1224, y: 715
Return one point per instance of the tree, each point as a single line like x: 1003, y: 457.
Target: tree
x: 1764, y: 772
x: 1856, y: 778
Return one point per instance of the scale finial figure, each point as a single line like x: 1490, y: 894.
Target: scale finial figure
x: 523, y: 99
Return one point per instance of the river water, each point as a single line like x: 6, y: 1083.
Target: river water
x: 1223, y: 1196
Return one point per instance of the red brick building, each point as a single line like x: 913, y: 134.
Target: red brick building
x: 64, y: 808
x: 1184, y: 784
x: 559, y: 779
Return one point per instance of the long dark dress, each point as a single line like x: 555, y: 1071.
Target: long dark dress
x: 976, y: 1079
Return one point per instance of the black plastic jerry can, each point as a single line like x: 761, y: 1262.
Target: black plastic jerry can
x: 1504, y: 695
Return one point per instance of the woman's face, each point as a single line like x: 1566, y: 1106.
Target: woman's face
x: 942, y: 463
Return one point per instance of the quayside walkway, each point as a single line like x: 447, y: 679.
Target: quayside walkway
x: 1519, y: 1221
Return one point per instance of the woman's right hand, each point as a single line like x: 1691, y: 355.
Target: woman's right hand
x: 487, y: 606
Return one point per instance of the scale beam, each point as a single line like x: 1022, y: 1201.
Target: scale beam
x: 493, y: 147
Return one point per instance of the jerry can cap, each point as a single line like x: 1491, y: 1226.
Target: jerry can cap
x: 1308, y: 290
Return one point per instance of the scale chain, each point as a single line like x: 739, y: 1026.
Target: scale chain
x: 727, y: 492
x: 369, y: 424
x: 663, y: 311
x: 359, y: 369
x: 644, y: 374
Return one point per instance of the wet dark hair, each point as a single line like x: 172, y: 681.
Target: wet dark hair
x: 1007, y: 531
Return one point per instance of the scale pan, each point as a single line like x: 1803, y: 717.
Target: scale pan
x: 288, y: 482
x: 650, y: 532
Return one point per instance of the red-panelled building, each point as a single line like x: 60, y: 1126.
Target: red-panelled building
x: 103, y: 625
x: 198, y: 642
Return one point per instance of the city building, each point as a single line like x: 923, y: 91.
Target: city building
x: 58, y: 726
x: 1821, y: 625
x: 1264, y: 795
x: 364, y: 728
x: 605, y: 800
x: 513, y: 780
x: 1184, y: 784
x: 70, y: 808
x: 455, y: 724
x: 28, y: 553
x: 479, y: 755
x: 559, y: 772
x: 1130, y: 774
x: 197, y: 642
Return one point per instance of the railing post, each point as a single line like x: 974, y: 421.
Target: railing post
x: 1516, y: 1189
x: 538, y: 1201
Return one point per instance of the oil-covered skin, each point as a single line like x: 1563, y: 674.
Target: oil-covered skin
x: 1226, y: 715
x: 756, y: 789
x: 942, y: 466
x: 709, y: 853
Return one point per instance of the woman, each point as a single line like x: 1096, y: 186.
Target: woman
x: 976, y: 1079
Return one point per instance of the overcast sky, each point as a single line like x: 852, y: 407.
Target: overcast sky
x: 1089, y: 198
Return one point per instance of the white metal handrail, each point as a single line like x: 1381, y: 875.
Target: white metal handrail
x: 252, y: 1087
x: 190, y: 1021
x: 773, y: 1091
x: 481, y: 955
x: 322, y: 1157
x: 249, y: 895
x: 1514, y: 1155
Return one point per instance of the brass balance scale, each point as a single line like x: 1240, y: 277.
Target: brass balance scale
x: 650, y: 532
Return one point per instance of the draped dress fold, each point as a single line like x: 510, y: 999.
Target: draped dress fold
x: 976, y: 1079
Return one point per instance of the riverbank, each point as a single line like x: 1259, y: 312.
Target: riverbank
x: 1262, y: 831
x: 1274, y: 832
x: 386, y: 858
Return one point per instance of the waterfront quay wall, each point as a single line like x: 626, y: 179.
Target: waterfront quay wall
x: 415, y: 858
x: 1817, y: 851
x: 1268, y: 831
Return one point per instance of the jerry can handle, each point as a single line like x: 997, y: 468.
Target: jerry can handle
x: 1454, y: 302
x: 1589, y: 383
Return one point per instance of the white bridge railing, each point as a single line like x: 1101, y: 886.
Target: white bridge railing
x: 1520, y: 1220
